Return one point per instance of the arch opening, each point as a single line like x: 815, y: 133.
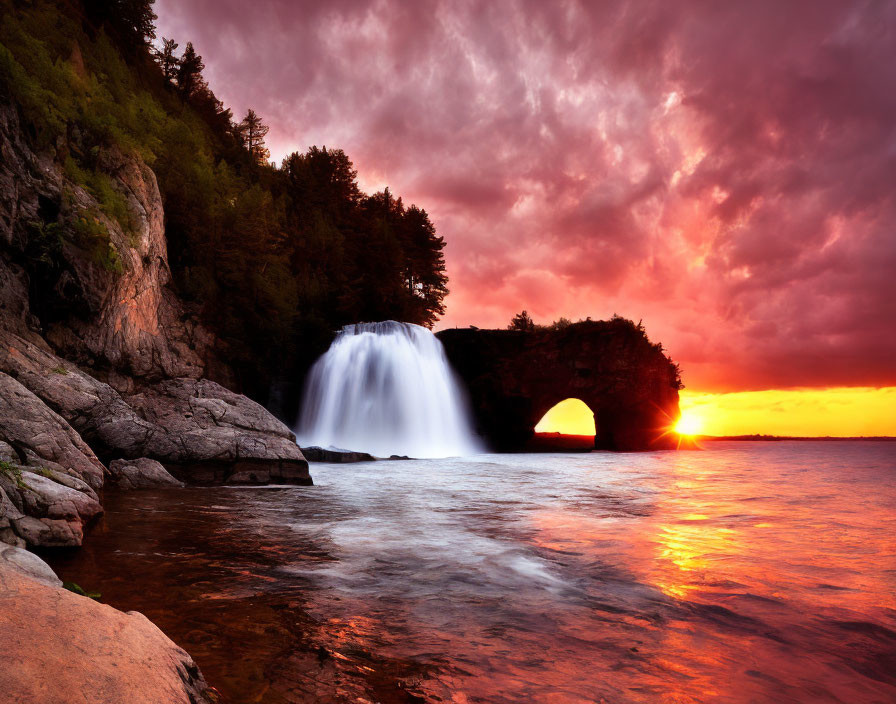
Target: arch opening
x: 567, y: 425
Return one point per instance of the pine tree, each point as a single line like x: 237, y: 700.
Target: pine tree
x: 189, y: 72
x: 130, y: 21
x: 522, y: 321
x: 424, y: 265
x: 253, y: 132
x: 168, y: 62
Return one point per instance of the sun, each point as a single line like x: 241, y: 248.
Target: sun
x: 688, y: 424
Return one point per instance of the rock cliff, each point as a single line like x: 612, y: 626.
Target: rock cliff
x: 99, y: 358
x: 514, y: 377
x: 95, y: 288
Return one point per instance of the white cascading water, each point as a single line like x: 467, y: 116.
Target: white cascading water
x: 386, y: 389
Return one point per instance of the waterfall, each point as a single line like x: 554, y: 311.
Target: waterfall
x: 386, y: 389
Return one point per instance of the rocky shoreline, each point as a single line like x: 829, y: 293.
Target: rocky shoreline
x: 106, y: 378
x: 100, y: 364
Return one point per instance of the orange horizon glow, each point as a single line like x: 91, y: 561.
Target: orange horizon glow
x: 831, y: 412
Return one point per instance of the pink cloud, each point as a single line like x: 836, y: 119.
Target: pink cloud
x: 723, y: 171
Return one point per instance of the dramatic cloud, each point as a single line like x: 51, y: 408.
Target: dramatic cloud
x: 724, y: 171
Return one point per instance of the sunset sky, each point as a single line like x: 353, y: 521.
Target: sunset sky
x: 724, y: 172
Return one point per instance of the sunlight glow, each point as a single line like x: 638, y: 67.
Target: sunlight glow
x: 569, y: 417
x: 689, y: 424
x: 802, y: 412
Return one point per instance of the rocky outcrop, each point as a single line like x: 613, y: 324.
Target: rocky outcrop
x: 99, y: 359
x: 515, y: 377
x: 40, y: 437
x: 195, y: 427
x: 28, y: 564
x: 94, y: 409
x: 48, y: 474
x: 96, y: 285
x: 208, y: 434
x: 61, y: 647
x: 142, y: 473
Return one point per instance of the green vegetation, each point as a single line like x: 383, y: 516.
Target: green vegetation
x: 14, y: 473
x: 77, y: 589
x: 101, y: 187
x: 275, y: 257
x: 92, y: 236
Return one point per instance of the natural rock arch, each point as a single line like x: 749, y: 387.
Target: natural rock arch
x: 514, y: 377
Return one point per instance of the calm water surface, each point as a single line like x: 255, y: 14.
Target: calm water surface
x: 748, y: 572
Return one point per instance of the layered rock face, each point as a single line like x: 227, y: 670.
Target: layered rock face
x: 209, y: 434
x: 99, y: 298
x: 515, y: 377
x: 99, y: 359
x: 48, y: 474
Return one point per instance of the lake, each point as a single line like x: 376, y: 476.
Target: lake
x: 745, y: 572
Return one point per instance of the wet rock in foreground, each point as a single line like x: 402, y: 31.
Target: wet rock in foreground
x: 66, y: 647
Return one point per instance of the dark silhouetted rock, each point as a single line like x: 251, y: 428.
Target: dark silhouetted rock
x: 323, y: 454
x: 515, y: 377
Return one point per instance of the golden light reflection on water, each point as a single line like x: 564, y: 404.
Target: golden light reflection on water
x: 686, y: 544
x: 753, y: 573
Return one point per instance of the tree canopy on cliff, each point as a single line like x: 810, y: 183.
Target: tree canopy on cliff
x: 274, y: 258
x: 253, y: 131
x: 522, y: 321
x: 622, y: 327
x: 168, y: 60
x: 131, y: 22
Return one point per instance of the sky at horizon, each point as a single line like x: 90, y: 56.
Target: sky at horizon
x: 839, y: 412
x: 721, y: 171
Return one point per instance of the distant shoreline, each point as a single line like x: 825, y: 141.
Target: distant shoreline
x: 776, y: 438
x: 554, y: 441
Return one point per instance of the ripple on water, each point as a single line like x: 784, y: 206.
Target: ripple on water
x: 747, y: 572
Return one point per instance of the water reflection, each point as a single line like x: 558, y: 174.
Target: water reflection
x: 748, y: 572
